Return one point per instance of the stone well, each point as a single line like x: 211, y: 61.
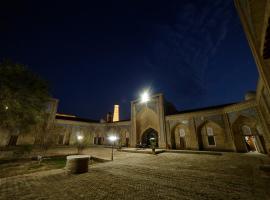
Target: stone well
x: 77, y: 164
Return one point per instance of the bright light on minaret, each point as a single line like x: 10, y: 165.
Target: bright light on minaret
x: 145, y: 97
x: 116, y: 113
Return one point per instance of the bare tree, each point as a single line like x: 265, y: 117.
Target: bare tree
x: 47, y: 138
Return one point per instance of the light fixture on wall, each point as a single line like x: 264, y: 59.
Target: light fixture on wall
x: 145, y: 97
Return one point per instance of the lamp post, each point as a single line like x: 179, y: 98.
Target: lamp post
x: 112, y: 138
x: 79, y: 139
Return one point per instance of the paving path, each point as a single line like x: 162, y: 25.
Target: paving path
x: 143, y: 176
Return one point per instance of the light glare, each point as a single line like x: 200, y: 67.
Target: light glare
x: 79, y: 137
x: 145, y: 97
x: 113, y: 138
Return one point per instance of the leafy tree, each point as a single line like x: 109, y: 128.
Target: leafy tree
x: 23, y: 97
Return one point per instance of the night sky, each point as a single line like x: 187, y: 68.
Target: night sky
x: 98, y: 53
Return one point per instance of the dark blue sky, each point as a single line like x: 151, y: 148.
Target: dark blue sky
x: 98, y: 53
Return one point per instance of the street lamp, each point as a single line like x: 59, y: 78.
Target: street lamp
x: 6, y: 107
x: 79, y: 137
x: 79, y: 143
x: 112, y: 138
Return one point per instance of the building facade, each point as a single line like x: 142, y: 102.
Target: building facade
x: 235, y: 127
x: 239, y: 127
x: 255, y: 18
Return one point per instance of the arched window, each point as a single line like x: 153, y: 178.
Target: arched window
x: 182, y: 132
x: 210, y: 131
x: 210, y: 136
x: 246, y: 130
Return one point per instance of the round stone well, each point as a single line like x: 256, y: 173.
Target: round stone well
x: 77, y: 164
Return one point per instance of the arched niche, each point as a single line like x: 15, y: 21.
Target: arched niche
x: 124, y: 137
x: 211, y: 136
x: 181, y: 137
x: 246, y: 136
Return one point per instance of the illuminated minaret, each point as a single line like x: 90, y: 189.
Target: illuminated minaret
x: 116, y: 113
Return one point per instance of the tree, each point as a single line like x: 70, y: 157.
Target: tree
x: 23, y: 97
x: 47, y: 138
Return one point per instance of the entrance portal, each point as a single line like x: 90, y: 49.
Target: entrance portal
x: 147, y: 135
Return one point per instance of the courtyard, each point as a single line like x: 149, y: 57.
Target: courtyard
x: 146, y: 176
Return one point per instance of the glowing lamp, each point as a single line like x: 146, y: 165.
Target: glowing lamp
x: 113, y: 138
x: 145, y: 97
x: 79, y: 137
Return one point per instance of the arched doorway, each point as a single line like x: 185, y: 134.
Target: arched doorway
x: 147, y: 135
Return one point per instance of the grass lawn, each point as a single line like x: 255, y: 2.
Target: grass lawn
x: 18, y: 167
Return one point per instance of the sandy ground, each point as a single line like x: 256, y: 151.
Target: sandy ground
x: 143, y: 176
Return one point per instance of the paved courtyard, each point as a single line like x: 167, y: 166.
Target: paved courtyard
x: 144, y: 176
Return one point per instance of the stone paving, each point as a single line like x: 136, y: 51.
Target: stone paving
x: 145, y: 176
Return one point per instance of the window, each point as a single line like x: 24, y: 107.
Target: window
x: 246, y: 130
x: 210, y: 131
x: 211, y: 141
x: 210, y: 136
x: 182, y: 132
x: 182, y: 135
